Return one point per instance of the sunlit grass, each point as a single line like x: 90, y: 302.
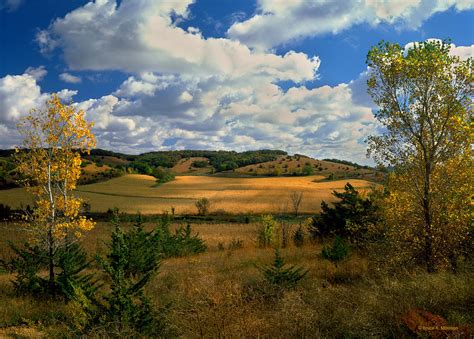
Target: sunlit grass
x: 135, y: 192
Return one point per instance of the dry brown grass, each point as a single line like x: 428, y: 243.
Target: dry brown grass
x: 92, y: 171
x: 136, y: 192
x: 184, y: 166
x: 221, y: 294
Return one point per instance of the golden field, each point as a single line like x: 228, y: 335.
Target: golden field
x: 135, y: 192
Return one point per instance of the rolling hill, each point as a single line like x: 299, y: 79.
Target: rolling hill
x: 102, y: 165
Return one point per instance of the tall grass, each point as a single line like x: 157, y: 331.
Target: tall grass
x: 219, y: 293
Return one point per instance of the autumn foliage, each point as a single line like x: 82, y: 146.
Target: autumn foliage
x: 424, y: 96
x: 49, y: 163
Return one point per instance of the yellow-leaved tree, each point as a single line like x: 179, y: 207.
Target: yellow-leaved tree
x: 49, y: 163
x: 424, y: 96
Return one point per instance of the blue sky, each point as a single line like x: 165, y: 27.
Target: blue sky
x: 236, y: 75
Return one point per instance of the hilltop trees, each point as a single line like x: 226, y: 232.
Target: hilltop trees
x: 49, y: 164
x: 424, y: 95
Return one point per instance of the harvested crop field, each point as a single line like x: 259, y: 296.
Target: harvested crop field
x: 135, y: 192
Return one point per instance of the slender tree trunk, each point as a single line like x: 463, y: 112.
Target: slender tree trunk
x: 52, y: 285
x: 429, y: 255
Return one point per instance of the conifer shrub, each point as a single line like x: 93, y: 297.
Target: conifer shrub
x: 180, y: 243
x: 26, y: 262
x: 278, y: 278
x: 281, y: 276
x: 125, y: 310
x: 72, y: 279
x: 337, y: 252
x: 70, y: 263
x: 352, y: 216
x: 142, y: 246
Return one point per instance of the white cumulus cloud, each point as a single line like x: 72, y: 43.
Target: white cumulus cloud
x: 69, y: 78
x: 140, y: 36
x: 278, y: 22
x: 38, y: 73
x: 18, y: 95
x: 187, y: 91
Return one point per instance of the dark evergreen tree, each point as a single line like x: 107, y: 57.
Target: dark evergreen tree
x: 350, y: 208
x: 71, y: 262
x: 126, y: 307
x: 26, y: 263
x: 71, y: 280
x: 143, y: 249
x: 278, y: 274
x: 337, y: 252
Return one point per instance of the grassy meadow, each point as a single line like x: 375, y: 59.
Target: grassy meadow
x: 220, y: 293
x: 136, y: 192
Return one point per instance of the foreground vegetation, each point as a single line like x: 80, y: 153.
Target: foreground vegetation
x: 222, y: 292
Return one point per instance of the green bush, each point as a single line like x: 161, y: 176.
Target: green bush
x: 200, y: 164
x: 72, y: 279
x: 308, y: 170
x: 180, y: 243
x: 277, y: 274
x: 141, y: 167
x: 298, y: 236
x: 26, y: 263
x: 143, y: 255
x: 162, y: 175
x: 337, y: 252
x: 125, y: 310
x: 266, y: 231
x: 203, y: 205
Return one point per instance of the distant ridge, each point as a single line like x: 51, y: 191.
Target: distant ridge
x: 102, y: 165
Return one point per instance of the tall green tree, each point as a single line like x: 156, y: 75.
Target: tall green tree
x: 424, y: 95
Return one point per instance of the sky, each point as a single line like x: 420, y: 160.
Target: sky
x: 213, y: 74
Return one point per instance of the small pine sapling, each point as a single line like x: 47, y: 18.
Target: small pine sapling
x: 279, y: 275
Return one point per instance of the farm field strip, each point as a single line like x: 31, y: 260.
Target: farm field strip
x: 130, y: 196
x: 135, y: 192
